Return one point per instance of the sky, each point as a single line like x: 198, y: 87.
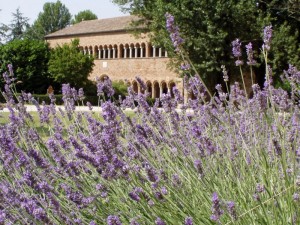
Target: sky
x: 31, y: 8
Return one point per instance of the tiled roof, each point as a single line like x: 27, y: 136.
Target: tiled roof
x: 96, y: 26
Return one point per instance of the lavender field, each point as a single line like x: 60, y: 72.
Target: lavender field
x: 227, y: 160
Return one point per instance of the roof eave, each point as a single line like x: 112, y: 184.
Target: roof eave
x: 89, y: 33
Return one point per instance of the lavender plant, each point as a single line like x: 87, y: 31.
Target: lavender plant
x: 230, y: 160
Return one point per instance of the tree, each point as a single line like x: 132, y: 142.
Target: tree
x: 84, y: 15
x: 3, y: 33
x: 208, y: 27
x: 3, y: 30
x: 15, y: 30
x: 68, y: 65
x: 29, y: 59
x: 18, y: 26
x: 55, y: 16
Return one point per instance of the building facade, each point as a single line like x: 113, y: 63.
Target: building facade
x: 119, y: 55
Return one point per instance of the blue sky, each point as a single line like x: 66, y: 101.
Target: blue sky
x: 31, y: 8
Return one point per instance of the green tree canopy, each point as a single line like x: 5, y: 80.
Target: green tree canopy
x: 68, y: 65
x: 29, y: 59
x: 209, y: 26
x: 84, y: 15
x: 55, y: 16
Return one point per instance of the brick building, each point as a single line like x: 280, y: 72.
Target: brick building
x: 119, y: 55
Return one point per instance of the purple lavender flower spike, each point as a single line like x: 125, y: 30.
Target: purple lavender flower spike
x: 113, y: 220
x: 249, y: 51
x: 89, y: 105
x: 296, y: 197
x: 225, y: 73
x: 159, y: 221
x: 198, y: 166
x: 260, y: 188
x: 236, y: 48
x: 135, y: 194
x: 105, y: 87
x: 231, y: 210
x: 188, y: 221
x: 185, y: 66
x: 217, y: 212
x: 2, y: 216
x: 141, y: 83
x: 10, y: 69
x: 267, y: 37
x: 134, y: 222
x: 80, y: 94
x: 174, y: 31
x: 236, y: 51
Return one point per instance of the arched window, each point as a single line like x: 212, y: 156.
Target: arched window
x: 81, y: 49
x: 90, y: 50
x: 137, y: 50
x: 135, y: 86
x: 143, y: 50
x: 150, y: 50
x: 126, y: 51
x: 105, y: 52
x: 103, y: 77
x: 149, y: 88
x: 86, y: 50
x: 122, y: 51
x: 164, y: 87
x: 171, y: 86
x: 115, y: 52
x: 96, y: 50
x: 156, y: 89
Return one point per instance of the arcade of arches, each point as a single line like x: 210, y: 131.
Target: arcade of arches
x: 154, y: 88
x: 124, y: 51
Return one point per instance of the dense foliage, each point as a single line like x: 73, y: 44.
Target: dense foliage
x: 208, y: 27
x: 55, y: 16
x: 29, y: 59
x: 68, y: 65
x: 230, y: 160
x: 84, y: 15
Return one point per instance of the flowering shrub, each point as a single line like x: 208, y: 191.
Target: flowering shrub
x: 228, y: 160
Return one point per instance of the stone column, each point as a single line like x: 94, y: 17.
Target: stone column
x: 160, y: 91
x: 135, y: 52
x: 159, y: 52
x: 125, y: 52
x: 153, y: 90
x: 147, y: 50
x: 166, y: 54
x: 108, y: 50
x: 114, y: 53
x: 119, y: 52
x: 104, y: 53
x: 142, y: 52
x: 154, y: 51
x: 130, y: 52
